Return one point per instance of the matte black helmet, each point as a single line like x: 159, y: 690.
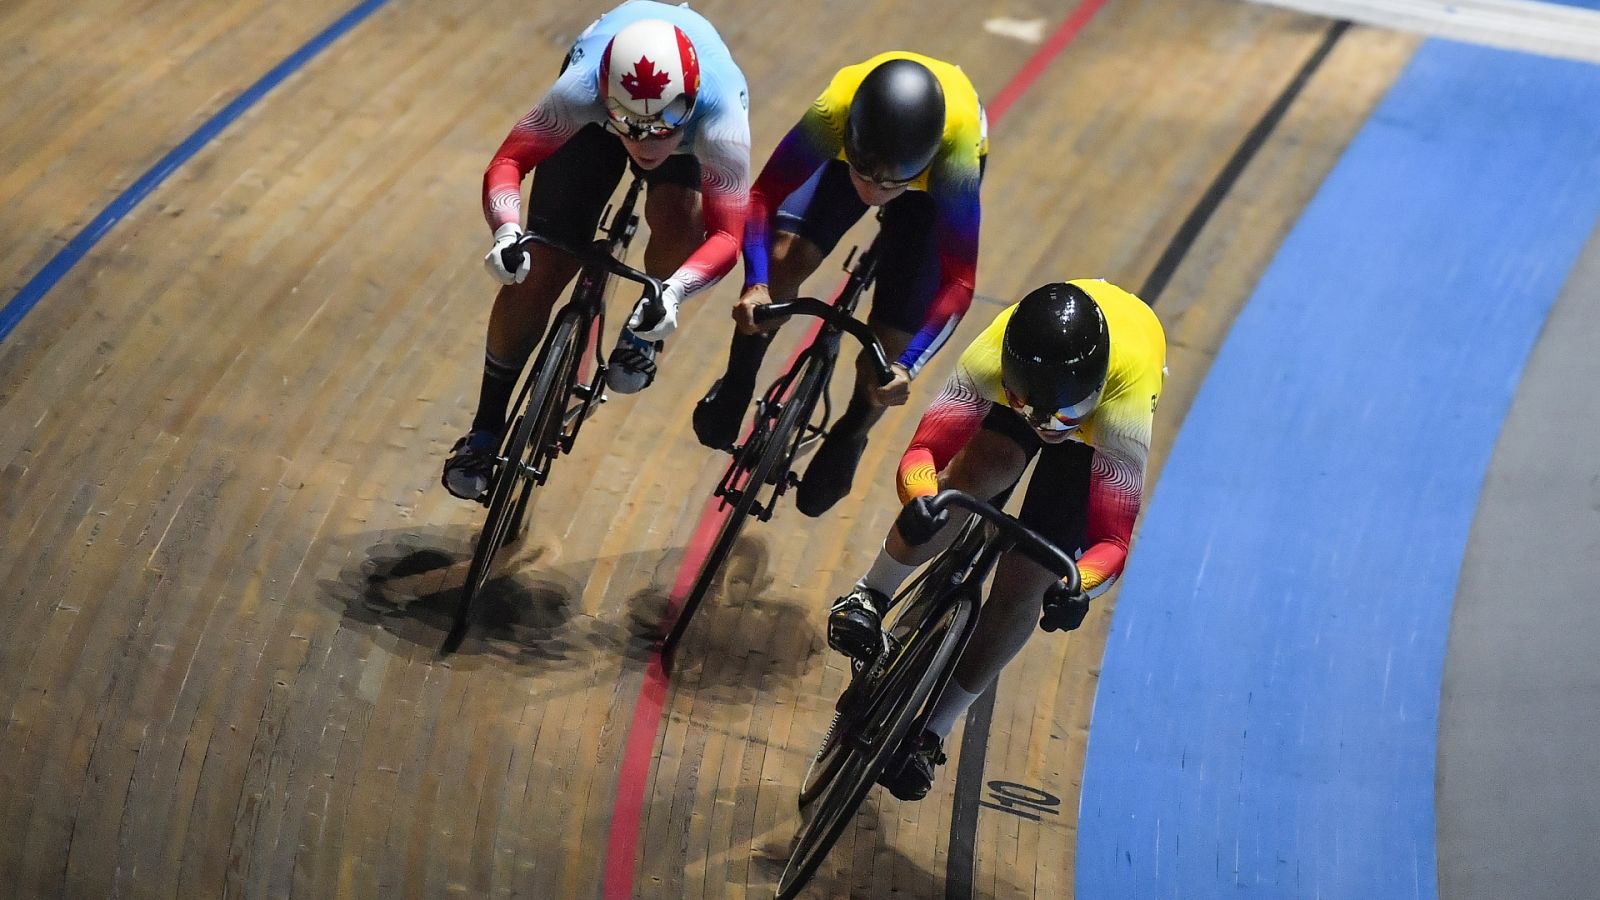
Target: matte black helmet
x: 1054, y: 357
x: 896, y: 122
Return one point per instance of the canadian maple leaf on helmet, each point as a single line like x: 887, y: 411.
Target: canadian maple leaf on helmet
x: 645, y: 82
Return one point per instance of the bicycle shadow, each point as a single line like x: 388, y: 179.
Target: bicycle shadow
x: 748, y: 632
x: 668, y: 864
x: 408, y: 584
x: 848, y: 871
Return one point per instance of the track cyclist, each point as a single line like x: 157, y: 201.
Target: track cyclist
x: 648, y: 85
x: 901, y: 131
x: 1072, y: 374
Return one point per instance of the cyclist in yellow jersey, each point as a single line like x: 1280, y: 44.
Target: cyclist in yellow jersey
x: 1072, y: 373
x: 902, y: 131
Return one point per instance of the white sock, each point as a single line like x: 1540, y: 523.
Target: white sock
x: 886, y: 574
x: 952, y: 705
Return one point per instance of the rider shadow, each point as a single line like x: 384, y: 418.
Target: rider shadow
x: 747, y: 632
x: 409, y: 584
x: 843, y: 873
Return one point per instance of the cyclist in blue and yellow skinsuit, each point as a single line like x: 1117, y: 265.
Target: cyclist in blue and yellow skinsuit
x: 901, y: 131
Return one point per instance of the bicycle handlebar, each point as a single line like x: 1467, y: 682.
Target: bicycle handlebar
x: 922, y: 518
x: 596, y: 253
x: 838, y: 318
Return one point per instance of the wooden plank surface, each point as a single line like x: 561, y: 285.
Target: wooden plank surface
x: 227, y: 562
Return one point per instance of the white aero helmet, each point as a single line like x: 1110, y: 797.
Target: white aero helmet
x: 649, y: 76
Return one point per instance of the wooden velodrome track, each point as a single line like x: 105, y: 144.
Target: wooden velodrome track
x: 226, y: 561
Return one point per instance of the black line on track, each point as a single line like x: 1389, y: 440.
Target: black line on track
x: 975, y: 739
x: 969, y: 791
x: 1190, y: 230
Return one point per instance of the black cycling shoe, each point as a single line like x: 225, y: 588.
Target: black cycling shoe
x: 855, y: 625
x: 719, y: 412
x: 470, y: 468
x: 914, y: 779
x: 830, y: 473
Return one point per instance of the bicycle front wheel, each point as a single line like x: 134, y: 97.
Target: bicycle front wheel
x: 768, y: 448
x: 859, y: 744
x: 525, y: 451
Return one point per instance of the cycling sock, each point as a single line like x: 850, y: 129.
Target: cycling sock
x: 744, y: 357
x: 886, y: 573
x: 499, y: 381
x: 952, y: 705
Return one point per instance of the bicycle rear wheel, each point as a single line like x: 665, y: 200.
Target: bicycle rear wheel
x: 863, y: 743
x: 525, y: 450
x: 767, y: 448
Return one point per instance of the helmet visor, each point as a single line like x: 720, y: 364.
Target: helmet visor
x: 639, y: 127
x: 877, y: 178
x: 1052, y: 420
x: 880, y: 167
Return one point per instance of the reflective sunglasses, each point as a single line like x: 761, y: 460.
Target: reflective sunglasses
x: 1054, y: 421
x: 640, y: 128
x: 887, y: 185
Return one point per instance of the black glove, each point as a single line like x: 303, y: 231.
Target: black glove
x: 1063, y: 609
x: 917, y: 522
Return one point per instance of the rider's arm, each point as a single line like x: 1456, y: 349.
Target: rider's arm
x: 1116, y: 489
x: 806, y: 148
x: 953, y: 184
x: 724, y: 153
x: 951, y: 420
x: 558, y: 116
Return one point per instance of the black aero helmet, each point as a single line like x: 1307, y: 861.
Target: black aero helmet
x: 1055, y: 355
x: 896, y: 122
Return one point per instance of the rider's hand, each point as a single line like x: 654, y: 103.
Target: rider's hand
x: 918, y: 523
x: 897, y: 391
x: 1063, y: 609
x: 651, y: 328
x: 504, y: 237
x: 744, y: 312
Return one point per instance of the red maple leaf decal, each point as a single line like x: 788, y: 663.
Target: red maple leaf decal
x: 645, y: 82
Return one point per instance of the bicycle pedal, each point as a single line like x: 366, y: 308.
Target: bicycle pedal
x: 584, y: 392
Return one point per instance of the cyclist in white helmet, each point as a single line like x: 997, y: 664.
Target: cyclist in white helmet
x: 647, y: 85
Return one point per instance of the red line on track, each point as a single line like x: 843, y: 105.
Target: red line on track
x: 1047, y: 52
x: 623, y: 842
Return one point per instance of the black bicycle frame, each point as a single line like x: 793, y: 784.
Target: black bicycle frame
x: 600, y: 260
x: 1004, y: 534
x: 837, y: 319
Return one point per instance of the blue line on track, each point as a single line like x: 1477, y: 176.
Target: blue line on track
x: 1267, y: 712
x: 75, y: 249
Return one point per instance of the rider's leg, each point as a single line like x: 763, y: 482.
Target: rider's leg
x: 907, y: 280
x: 672, y: 209
x: 793, y: 259
x: 677, y: 228
x: 565, y: 201
x: 1057, y: 507
x: 987, y: 466
x: 807, y: 227
x: 516, y: 323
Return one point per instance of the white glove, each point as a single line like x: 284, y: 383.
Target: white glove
x: 664, y: 326
x: 505, y: 236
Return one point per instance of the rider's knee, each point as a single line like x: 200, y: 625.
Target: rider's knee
x: 672, y: 209
x: 1020, y: 583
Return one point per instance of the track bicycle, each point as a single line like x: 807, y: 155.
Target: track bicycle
x: 889, y: 699
x: 783, y: 424
x: 555, y: 398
